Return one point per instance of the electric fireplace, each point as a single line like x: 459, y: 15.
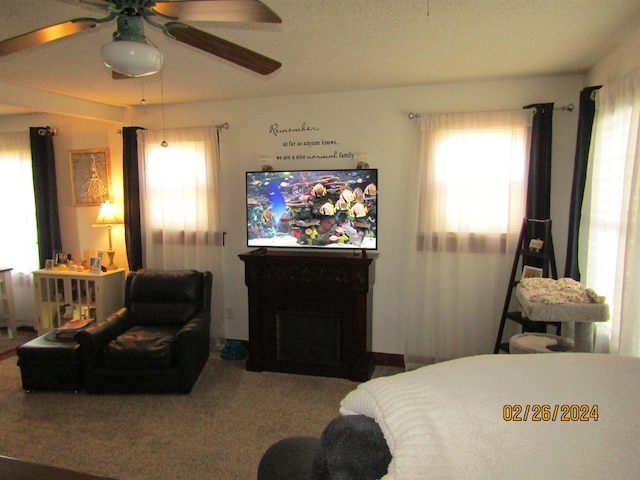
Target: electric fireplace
x: 310, y: 313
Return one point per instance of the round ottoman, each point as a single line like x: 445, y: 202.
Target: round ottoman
x: 539, y: 343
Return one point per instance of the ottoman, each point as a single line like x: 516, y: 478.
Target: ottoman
x: 49, y: 365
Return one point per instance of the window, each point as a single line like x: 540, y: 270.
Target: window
x: 470, y: 204
x: 19, y: 242
x: 611, y: 231
x: 180, y: 207
x: 607, y: 217
x: 175, y: 190
x: 180, y: 214
x: 19, y: 239
x: 474, y: 178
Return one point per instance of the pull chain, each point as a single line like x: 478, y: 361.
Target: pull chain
x: 164, y: 143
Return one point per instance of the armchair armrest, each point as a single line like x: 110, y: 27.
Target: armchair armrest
x: 93, y: 339
x: 192, y: 347
x: 197, y: 326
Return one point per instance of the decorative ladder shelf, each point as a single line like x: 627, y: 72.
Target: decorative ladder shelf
x: 535, y: 251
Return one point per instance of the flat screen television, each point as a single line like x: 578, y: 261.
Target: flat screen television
x: 313, y: 209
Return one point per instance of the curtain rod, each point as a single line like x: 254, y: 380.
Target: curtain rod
x: 567, y: 108
x: 224, y: 125
x: 48, y: 131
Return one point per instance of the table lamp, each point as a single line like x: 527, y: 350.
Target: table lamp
x: 108, y: 217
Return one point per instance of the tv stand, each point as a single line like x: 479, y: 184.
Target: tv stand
x: 310, y: 312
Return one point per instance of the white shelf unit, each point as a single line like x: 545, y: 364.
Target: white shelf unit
x: 88, y: 295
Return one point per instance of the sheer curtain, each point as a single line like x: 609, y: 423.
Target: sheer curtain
x: 612, y: 234
x: 471, y: 184
x: 19, y: 241
x: 180, y: 205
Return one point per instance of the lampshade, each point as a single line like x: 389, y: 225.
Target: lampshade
x: 135, y: 59
x: 108, y: 215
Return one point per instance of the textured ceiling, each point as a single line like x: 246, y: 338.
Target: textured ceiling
x: 326, y: 46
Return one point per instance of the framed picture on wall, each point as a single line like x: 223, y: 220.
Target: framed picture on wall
x: 90, y: 176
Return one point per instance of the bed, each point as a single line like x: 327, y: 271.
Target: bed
x: 466, y: 418
x: 551, y: 416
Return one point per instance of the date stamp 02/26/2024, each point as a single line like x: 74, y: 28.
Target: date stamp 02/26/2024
x: 550, y: 413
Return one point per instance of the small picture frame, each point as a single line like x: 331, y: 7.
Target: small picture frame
x: 60, y: 257
x: 536, y: 244
x: 48, y: 264
x: 95, y: 265
x: 532, y: 272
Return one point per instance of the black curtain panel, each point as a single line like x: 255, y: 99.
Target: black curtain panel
x: 133, y: 231
x: 45, y: 192
x: 585, y: 125
x: 539, y: 182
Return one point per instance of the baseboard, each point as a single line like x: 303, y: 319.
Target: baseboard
x: 25, y: 328
x: 9, y: 354
x: 384, y: 359
x: 388, y: 359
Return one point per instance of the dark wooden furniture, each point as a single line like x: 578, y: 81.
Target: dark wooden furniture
x: 49, y: 365
x: 11, y: 468
x: 310, y: 312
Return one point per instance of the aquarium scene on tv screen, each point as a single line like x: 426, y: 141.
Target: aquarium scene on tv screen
x: 313, y: 209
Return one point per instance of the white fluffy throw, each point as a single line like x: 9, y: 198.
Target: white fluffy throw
x: 457, y: 419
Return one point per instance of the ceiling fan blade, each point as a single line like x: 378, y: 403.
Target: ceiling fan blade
x: 218, y: 11
x: 43, y: 35
x: 224, y: 49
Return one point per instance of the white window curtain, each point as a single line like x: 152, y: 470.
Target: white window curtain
x: 611, y: 229
x: 19, y: 241
x: 471, y: 183
x: 180, y: 205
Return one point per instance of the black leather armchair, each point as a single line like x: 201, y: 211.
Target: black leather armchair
x: 158, y: 342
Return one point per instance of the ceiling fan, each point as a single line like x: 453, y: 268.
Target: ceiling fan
x: 130, y: 53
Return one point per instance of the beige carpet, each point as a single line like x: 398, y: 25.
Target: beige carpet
x: 7, y: 344
x: 219, y: 431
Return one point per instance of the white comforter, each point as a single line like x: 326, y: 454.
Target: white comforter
x: 446, y: 421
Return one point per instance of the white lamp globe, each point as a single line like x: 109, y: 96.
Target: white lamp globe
x: 135, y: 59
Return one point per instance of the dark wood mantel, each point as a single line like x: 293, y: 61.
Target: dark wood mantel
x: 310, y: 312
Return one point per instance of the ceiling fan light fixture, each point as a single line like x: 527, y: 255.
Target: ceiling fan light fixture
x: 135, y: 59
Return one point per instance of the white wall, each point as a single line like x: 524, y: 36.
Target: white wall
x: 375, y: 122
x: 624, y: 58
x: 369, y: 121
